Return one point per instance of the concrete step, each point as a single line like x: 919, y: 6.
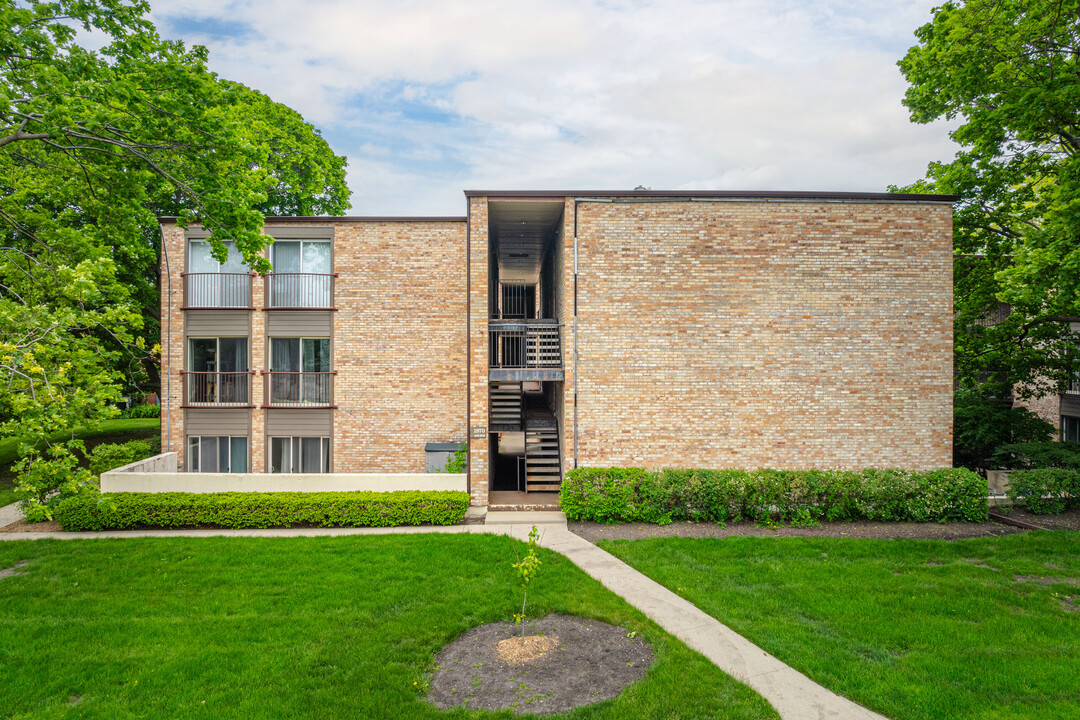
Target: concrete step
x: 538, y: 518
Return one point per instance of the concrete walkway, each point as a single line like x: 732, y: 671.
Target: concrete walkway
x: 792, y: 694
x: 9, y: 514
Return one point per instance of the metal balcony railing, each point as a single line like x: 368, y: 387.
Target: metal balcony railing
x: 300, y: 291
x: 299, y: 389
x: 217, y: 290
x: 216, y: 389
x: 524, y: 344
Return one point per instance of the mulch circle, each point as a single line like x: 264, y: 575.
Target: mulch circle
x: 592, y: 661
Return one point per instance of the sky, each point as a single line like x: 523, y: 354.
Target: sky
x: 428, y: 98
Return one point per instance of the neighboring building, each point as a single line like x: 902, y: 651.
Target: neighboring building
x: 1061, y: 410
x: 557, y: 329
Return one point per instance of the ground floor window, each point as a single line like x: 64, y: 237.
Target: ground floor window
x: 1070, y: 429
x: 299, y: 454
x: 217, y: 454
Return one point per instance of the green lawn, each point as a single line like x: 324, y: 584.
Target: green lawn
x: 342, y: 627
x: 117, y: 430
x: 911, y: 628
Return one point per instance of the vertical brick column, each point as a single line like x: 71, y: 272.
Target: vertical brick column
x: 172, y: 340
x: 479, y: 462
x: 258, y: 364
x: 565, y: 311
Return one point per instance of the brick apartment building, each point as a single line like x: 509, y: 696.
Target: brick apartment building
x: 560, y: 329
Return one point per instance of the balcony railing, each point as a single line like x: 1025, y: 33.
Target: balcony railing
x: 299, y: 389
x: 300, y: 291
x: 217, y: 290
x: 525, y: 344
x: 217, y: 389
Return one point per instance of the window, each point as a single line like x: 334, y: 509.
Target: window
x: 1070, y: 429
x: 218, y: 370
x: 299, y: 370
x: 217, y: 454
x: 301, y: 274
x: 216, y: 284
x: 299, y: 454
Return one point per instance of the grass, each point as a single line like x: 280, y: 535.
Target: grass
x: 914, y: 629
x: 295, y: 628
x: 117, y: 430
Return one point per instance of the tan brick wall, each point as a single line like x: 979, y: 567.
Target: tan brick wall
x: 1048, y: 407
x: 173, y: 260
x: 399, y: 343
x: 764, y: 334
x: 479, y: 451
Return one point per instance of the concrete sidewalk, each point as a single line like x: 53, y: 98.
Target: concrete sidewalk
x: 792, y: 694
x: 9, y: 514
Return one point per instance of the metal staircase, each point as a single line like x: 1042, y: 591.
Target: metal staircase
x: 543, y: 461
x: 505, y: 403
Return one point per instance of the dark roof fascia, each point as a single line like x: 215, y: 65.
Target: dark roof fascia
x: 324, y: 219
x: 717, y: 195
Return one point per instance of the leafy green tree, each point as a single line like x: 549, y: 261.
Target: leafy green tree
x: 1009, y: 70
x: 93, y: 145
x: 982, y: 426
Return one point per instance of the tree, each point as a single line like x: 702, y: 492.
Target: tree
x: 94, y: 144
x: 1010, y: 69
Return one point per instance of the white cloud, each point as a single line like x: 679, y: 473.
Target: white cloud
x: 430, y: 98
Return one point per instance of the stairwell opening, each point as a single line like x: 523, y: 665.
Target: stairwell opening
x: 526, y: 301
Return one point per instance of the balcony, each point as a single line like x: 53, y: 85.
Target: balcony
x: 217, y: 290
x: 299, y: 389
x: 300, y: 291
x: 216, y: 389
x: 524, y: 350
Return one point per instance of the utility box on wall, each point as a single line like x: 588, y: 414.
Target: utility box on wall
x: 439, y: 453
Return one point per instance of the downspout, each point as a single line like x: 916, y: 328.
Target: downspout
x: 168, y: 339
x: 575, y: 335
x: 468, y: 346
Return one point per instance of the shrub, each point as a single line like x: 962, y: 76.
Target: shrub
x: 1045, y: 491
x: 1029, y: 456
x: 110, y: 456
x: 122, y: 511
x: 797, y: 497
x: 141, y: 411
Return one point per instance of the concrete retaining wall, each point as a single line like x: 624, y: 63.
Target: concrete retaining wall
x: 158, y: 474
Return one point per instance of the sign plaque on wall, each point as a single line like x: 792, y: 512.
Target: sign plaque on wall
x: 479, y: 432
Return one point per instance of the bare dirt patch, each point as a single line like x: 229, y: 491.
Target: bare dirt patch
x: 1068, y: 520
x: 13, y: 570
x: 21, y: 526
x: 592, y: 661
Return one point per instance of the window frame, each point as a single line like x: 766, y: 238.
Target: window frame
x: 194, y: 459
x: 296, y: 442
x: 1070, y: 435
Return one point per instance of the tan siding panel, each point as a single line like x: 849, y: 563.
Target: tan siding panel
x: 217, y: 323
x: 206, y: 421
x: 298, y: 323
x: 298, y: 422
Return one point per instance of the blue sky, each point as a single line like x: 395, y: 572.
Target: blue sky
x: 431, y: 98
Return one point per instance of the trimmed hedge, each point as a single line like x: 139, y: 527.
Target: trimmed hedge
x: 797, y: 497
x: 110, y: 456
x: 122, y: 511
x: 1046, y: 491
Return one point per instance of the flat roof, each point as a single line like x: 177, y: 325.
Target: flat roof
x: 718, y: 195
x: 270, y: 219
